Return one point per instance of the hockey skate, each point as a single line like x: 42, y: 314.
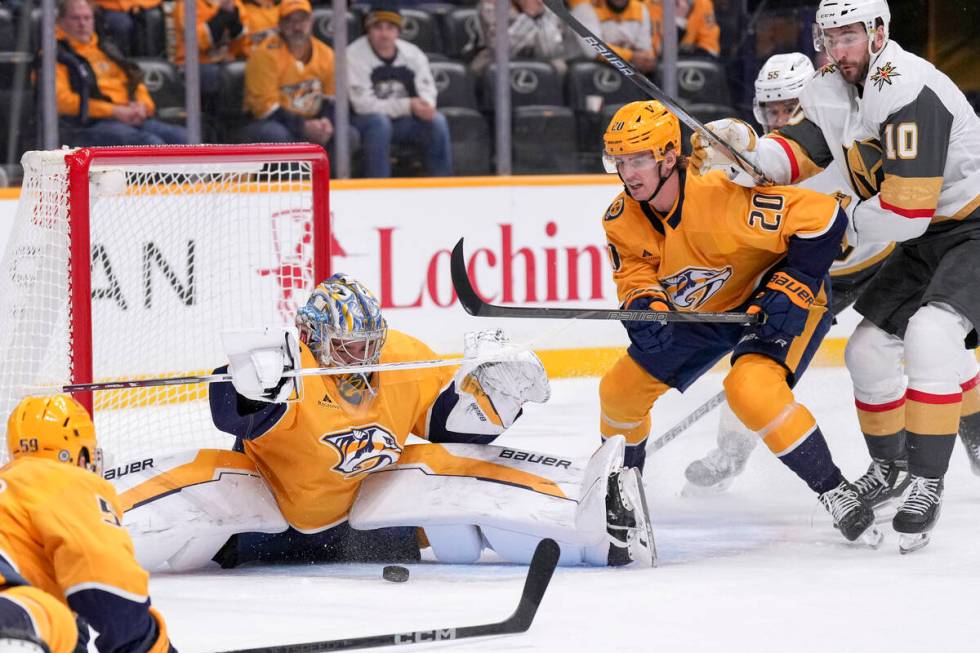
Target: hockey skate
x: 918, y: 513
x: 712, y: 474
x: 883, y: 482
x: 628, y: 521
x: 852, y: 517
x: 971, y: 442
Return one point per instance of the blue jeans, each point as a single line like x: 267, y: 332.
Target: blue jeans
x: 113, y: 132
x: 378, y: 132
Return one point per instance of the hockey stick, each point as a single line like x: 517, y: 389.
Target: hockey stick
x: 651, y: 89
x: 543, y: 565
x: 220, y: 378
x: 475, y: 306
x: 686, y: 423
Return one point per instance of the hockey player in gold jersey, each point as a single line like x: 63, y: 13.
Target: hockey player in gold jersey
x: 62, y: 544
x: 315, y: 450
x: 687, y: 243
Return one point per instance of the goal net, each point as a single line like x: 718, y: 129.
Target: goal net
x: 129, y: 263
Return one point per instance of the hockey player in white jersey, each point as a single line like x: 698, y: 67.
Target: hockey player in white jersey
x: 777, y: 91
x: 921, y: 308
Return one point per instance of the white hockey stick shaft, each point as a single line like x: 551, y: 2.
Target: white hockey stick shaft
x: 225, y: 377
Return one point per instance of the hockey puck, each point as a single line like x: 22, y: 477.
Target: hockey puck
x: 395, y: 574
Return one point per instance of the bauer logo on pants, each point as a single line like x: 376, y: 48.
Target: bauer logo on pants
x: 363, y: 450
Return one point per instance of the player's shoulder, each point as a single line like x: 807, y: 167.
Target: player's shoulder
x: 618, y: 207
x: 824, y: 82
x: 400, y: 347
x: 40, y: 476
x: 895, y: 79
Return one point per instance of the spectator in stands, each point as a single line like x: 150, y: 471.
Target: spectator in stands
x: 262, y: 17
x: 100, y: 95
x: 623, y: 24
x: 697, y: 30
x: 289, y: 82
x: 394, y: 95
x: 222, y: 35
x: 533, y: 32
x: 119, y: 19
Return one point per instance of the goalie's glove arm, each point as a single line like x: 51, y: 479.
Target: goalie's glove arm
x: 240, y: 416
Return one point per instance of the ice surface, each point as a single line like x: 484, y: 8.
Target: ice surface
x: 758, y: 568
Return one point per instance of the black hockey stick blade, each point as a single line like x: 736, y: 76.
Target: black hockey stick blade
x: 539, y: 573
x: 473, y: 305
x: 627, y: 70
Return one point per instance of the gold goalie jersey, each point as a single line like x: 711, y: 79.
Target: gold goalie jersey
x: 712, y: 249
x: 314, y: 453
x: 61, y: 532
x: 274, y: 79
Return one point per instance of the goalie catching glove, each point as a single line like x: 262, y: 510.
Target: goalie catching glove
x: 491, y: 394
x: 705, y: 157
x: 257, y: 359
x: 785, y: 303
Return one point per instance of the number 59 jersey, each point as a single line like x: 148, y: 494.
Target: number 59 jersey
x: 718, y: 241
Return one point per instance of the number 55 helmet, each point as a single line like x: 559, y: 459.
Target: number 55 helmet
x: 54, y: 427
x: 781, y: 78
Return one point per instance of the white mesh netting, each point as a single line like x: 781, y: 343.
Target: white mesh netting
x: 179, y: 252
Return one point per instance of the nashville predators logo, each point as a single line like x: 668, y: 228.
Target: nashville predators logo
x: 305, y: 97
x: 692, y: 287
x: 884, y: 75
x: 363, y: 450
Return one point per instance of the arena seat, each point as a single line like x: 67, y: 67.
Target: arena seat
x: 467, y: 126
x: 151, y: 34
x: 166, y: 87
x: 543, y: 128
x: 323, y: 25
x: 421, y: 29
x: 463, y: 36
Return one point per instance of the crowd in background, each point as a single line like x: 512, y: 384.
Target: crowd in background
x: 267, y: 74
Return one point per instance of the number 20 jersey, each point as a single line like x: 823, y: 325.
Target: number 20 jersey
x: 712, y: 249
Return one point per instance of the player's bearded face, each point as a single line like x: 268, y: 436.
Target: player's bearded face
x: 847, y: 46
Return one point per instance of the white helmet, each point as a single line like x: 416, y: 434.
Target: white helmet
x: 782, y: 77
x: 837, y: 13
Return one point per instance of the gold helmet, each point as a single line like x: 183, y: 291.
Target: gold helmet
x: 642, y: 127
x: 55, y: 427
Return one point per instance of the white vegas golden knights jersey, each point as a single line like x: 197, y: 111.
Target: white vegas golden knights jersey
x: 928, y: 133
x: 863, y: 255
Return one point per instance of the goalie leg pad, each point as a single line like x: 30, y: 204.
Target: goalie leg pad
x: 181, y: 509
x: 513, y: 497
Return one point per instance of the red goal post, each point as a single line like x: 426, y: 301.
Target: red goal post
x: 178, y: 243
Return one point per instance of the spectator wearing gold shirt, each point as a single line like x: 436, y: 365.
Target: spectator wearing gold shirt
x: 289, y: 82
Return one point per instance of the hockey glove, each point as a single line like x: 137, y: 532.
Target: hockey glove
x: 785, y: 304
x: 649, y: 337
x: 706, y: 157
x: 258, y: 357
x: 492, y: 393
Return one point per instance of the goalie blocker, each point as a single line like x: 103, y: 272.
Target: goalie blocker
x: 181, y: 510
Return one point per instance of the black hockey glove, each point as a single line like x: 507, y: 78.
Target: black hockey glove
x: 785, y: 304
x: 650, y: 337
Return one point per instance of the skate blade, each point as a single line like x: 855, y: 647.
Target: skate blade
x: 909, y: 542
x: 690, y: 490
x: 872, y: 537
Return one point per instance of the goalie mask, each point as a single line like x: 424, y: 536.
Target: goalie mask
x: 56, y: 428
x: 778, y: 87
x: 342, y: 325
